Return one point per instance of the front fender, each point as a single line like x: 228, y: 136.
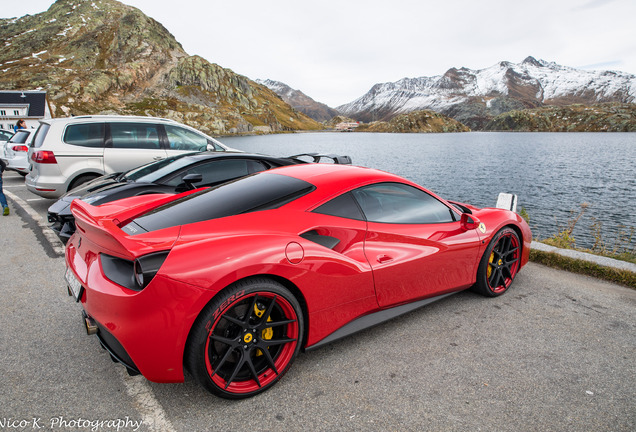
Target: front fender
x: 495, y: 219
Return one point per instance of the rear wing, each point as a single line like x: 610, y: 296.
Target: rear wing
x: 317, y: 157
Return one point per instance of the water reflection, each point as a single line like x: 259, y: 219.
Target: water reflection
x: 552, y: 173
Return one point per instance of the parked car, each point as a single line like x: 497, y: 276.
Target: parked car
x: 5, y: 135
x: 231, y: 282
x: 16, y: 151
x: 68, y: 152
x: 172, y: 175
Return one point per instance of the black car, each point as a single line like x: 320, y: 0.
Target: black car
x: 172, y: 175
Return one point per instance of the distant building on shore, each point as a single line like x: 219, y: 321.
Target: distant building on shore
x: 29, y: 105
x: 347, y: 126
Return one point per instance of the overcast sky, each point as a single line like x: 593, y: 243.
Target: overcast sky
x: 335, y: 51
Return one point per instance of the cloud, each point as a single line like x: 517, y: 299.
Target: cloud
x: 335, y: 51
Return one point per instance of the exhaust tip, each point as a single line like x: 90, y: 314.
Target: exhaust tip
x: 91, y: 325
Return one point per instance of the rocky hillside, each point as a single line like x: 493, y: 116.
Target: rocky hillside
x: 101, y: 56
x: 611, y: 117
x: 474, y: 97
x: 300, y: 101
x: 415, y: 122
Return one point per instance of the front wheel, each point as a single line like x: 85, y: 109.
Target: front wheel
x: 245, y: 339
x: 500, y: 264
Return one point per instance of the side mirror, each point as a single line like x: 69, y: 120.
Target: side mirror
x: 469, y: 221
x: 190, y: 179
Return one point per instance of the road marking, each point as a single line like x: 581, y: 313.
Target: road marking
x: 50, y: 235
x: 36, y: 199
x: 151, y: 411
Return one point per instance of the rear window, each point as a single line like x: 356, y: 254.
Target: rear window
x: 85, y: 135
x: 20, y: 137
x: 261, y: 191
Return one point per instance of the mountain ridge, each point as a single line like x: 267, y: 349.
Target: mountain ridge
x: 474, y: 97
x: 101, y: 56
x: 300, y: 101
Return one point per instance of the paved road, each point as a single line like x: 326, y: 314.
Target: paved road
x: 555, y: 353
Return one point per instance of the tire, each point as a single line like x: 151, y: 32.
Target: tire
x: 500, y: 264
x: 85, y: 178
x: 245, y: 339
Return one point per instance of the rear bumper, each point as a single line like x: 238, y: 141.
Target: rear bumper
x: 18, y: 164
x: 45, y: 190
x: 145, y: 330
x: 115, y: 349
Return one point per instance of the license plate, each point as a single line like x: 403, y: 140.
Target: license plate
x: 74, y: 285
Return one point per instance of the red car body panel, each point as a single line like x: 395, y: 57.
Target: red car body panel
x: 374, y: 266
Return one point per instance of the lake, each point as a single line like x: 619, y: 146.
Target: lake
x: 552, y: 173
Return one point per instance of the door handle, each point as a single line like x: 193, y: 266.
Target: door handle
x: 384, y: 258
x: 158, y: 158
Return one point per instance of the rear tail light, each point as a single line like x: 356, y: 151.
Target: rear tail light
x: 20, y: 148
x: 43, y: 157
x: 134, y: 275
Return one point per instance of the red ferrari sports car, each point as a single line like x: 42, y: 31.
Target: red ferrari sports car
x: 231, y: 282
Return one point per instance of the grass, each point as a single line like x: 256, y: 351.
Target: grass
x: 554, y: 260
x: 622, y: 249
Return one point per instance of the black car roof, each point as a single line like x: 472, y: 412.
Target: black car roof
x: 204, y: 155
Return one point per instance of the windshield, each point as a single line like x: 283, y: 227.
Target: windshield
x: 153, y: 171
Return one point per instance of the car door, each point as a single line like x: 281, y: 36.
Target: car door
x: 130, y: 145
x: 414, y: 243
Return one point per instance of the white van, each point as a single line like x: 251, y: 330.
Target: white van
x: 67, y: 152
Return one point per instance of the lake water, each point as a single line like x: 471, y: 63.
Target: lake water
x: 552, y: 173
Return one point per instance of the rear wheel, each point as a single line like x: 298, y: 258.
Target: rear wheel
x: 85, y: 178
x: 245, y: 339
x: 500, y: 264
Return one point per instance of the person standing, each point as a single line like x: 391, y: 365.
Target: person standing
x: 21, y: 124
x: 3, y: 199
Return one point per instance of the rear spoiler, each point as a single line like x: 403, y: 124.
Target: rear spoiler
x: 102, y: 224
x: 316, y: 158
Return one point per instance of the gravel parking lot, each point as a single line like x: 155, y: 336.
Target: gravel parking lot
x: 554, y: 353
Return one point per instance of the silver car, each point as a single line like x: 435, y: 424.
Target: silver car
x: 68, y: 152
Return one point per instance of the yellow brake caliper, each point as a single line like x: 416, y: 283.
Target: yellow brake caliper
x: 490, y: 260
x: 267, y: 333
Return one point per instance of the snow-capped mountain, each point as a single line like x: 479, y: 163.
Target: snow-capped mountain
x: 475, y: 96
x: 300, y: 101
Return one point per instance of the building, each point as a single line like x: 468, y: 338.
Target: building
x: 347, y: 126
x: 31, y: 106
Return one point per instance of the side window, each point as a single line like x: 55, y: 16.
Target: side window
x: 85, y: 135
x: 401, y: 204
x: 134, y: 136
x: 184, y: 139
x: 219, y: 171
x: 342, y: 206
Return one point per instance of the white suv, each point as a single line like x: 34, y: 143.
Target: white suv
x: 66, y: 152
